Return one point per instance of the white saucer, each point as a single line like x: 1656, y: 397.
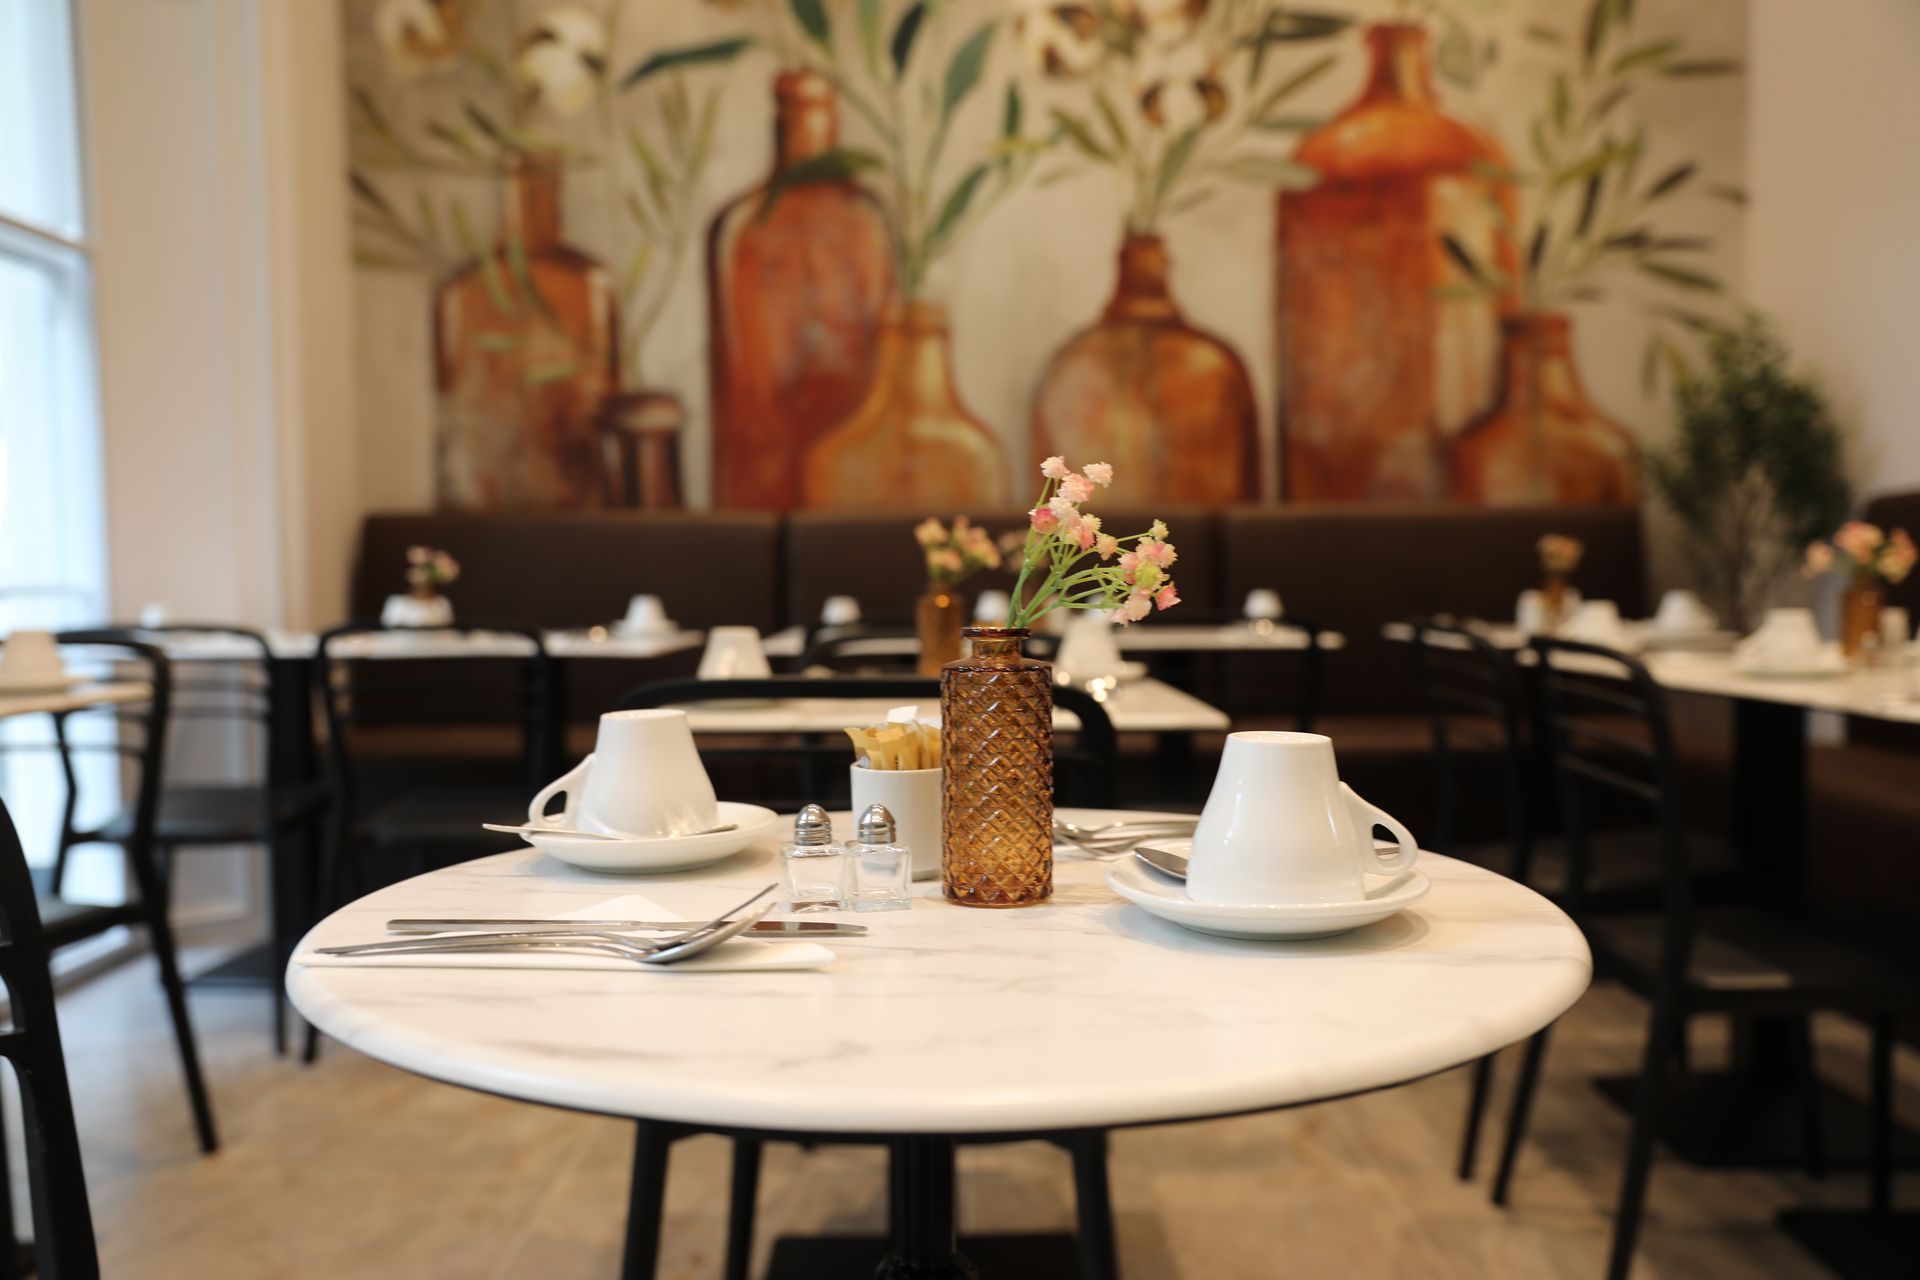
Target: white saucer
x: 40, y: 684
x: 1167, y: 898
x: 665, y: 631
x: 664, y: 853
x: 1829, y: 662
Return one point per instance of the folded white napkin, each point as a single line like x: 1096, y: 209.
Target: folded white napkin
x: 737, y: 956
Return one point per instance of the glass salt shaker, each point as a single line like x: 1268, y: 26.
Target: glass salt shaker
x: 880, y: 865
x: 816, y: 866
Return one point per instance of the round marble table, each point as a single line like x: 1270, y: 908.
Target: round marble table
x: 945, y: 1022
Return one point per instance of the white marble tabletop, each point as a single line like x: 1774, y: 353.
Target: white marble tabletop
x: 1139, y: 706
x: 1890, y: 691
x: 1084, y: 1012
x: 75, y: 699
x: 1143, y: 637
x: 590, y: 642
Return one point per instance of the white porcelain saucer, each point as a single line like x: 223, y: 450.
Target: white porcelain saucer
x: 665, y: 853
x: 668, y: 630
x: 1167, y: 898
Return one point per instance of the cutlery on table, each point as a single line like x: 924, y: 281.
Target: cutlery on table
x: 653, y: 951
x: 771, y: 929
x: 529, y: 829
x: 1164, y: 860
x: 1117, y: 839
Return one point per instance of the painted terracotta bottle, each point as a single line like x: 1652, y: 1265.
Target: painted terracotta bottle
x: 525, y: 351
x: 1171, y: 407
x: 911, y: 445
x: 1543, y: 440
x: 1381, y: 362
x: 795, y: 294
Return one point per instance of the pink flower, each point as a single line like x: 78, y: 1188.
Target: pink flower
x: 1063, y: 507
x: 946, y: 560
x: 1819, y: 559
x: 1859, y: 540
x: 1137, y: 606
x: 417, y: 554
x: 1160, y: 553
x: 1129, y: 562
x: 1896, y: 562
x: 1157, y: 531
x: 1106, y: 545
x: 1076, y: 488
x: 1101, y: 473
x: 1085, y: 534
x: 1043, y: 519
x: 930, y: 532
x: 1055, y: 468
x: 1166, y: 597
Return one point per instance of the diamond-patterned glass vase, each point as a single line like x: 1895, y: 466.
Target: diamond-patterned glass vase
x: 996, y: 745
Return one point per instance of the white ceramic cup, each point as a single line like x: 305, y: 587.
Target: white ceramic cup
x: 1088, y: 650
x: 646, y: 613
x: 1262, y: 605
x: 1785, y: 636
x: 992, y: 607
x: 1596, y: 622
x: 1281, y: 829
x: 1682, y: 611
x: 644, y: 780
x: 1896, y: 628
x: 30, y: 656
x: 733, y: 653
x: 912, y: 796
x: 840, y: 611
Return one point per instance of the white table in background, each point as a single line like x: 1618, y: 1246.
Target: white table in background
x: 946, y: 1022
x: 1140, y: 706
x: 1144, y: 637
x: 77, y: 698
x: 590, y: 642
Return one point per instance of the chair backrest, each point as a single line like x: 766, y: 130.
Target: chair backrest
x: 62, y: 1221
x: 1082, y: 776
x: 1609, y: 739
x: 859, y: 649
x: 368, y: 679
x: 140, y: 736
x: 234, y: 690
x: 1472, y: 701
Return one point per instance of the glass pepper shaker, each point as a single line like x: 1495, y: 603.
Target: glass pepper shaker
x: 815, y: 866
x: 880, y: 865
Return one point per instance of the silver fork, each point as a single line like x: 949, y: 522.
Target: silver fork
x: 1117, y: 839
x: 680, y: 946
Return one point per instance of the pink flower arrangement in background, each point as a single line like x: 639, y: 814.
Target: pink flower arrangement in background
x: 429, y: 569
x: 1560, y: 553
x: 1071, y: 562
x: 956, y: 554
x: 1866, y: 550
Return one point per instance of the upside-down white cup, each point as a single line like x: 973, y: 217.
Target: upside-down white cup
x: 29, y: 656
x: 1281, y: 829
x: 1785, y: 637
x: 644, y: 780
x: 1262, y: 605
x: 1088, y: 650
x: 646, y: 615
x: 840, y: 611
x: 734, y: 653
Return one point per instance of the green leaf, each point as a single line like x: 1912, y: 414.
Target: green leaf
x: 1014, y: 113
x: 541, y: 374
x: 370, y: 194
x: 956, y: 205
x: 1704, y: 67
x: 1266, y: 171
x: 1600, y: 18
x: 1289, y: 124
x: 1680, y: 276
x: 1454, y: 57
x: 1733, y: 195
x: 490, y: 277
x: 1296, y: 25
x: 523, y: 276
x: 870, y: 33
x: 812, y: 16
x: 1080, y: 134
x: 1175, y: 158
x: 1111, y: 118
x: 703, y: 136
x: 1589, y: 202
x: 1644, y: 55
x: 1671, y: 180
x: 1537, y: 251
x: 1463, y: 257
x: 636, y: 269
x: 839, y: 165
x: 1294, y: 83
x: 1191, y: 200
x: 1545, y: 35
x: 964, y: 71
x: 691, y: 55
x: 1562, y: 102
x: 378, y: 261
x: 901, y: 45
x: 490, y: 341
x: 1606, y: 102
x: 485, y: 124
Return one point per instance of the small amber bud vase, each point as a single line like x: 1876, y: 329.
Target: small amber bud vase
x: 938, y: 614
x: 996, y: 744
x: 1860, y: 614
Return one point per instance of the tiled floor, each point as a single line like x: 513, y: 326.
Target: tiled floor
x: 353, y: 1169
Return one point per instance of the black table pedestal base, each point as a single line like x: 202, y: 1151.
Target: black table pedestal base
x: 998, y: 1257
x: 1858, y: 1245
x: 1728, y: 1121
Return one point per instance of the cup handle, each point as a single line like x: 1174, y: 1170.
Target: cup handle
x: 1368, y: 816
x: 568, y: 782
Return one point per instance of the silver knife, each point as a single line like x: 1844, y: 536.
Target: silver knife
x: 773, y: 929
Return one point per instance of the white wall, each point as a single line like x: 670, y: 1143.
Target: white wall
x: 1833, y: 236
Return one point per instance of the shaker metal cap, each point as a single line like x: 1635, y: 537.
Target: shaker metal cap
x: 812, y: 826
x: 876, y: 825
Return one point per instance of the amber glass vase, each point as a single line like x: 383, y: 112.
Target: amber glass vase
x: 996, y: 749
x: 1169, y: 406
x: 1543, y: 440
x: 640, y: 433
x: 1381, y: 362
x: 520, y: 378
x: 911, y: 444
x: 1860, y: 614
x: 938, y: 615
x: 795, y: 295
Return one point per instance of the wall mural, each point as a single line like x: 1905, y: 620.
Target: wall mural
x: 886, y: 253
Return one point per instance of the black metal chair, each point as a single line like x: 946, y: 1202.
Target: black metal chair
x: 264, y: 810
x: 426, y: 810
x: 1686, y: 957
x: 139, y: 739
x: 63, y: 1247
x: 1087, y: 780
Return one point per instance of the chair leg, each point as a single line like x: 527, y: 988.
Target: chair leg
x: 161, y: 932
x: 1646, y: 1122
x: 646, y: 1197
x: 740, y: 1207
x: 1520, y: 1113
x: 1812, y: 1137
x: 335, y: 854
x: 1476, y: 1115
x: 282, y: 946
x: 1093, y: 1199
x: 1881, y: 1101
